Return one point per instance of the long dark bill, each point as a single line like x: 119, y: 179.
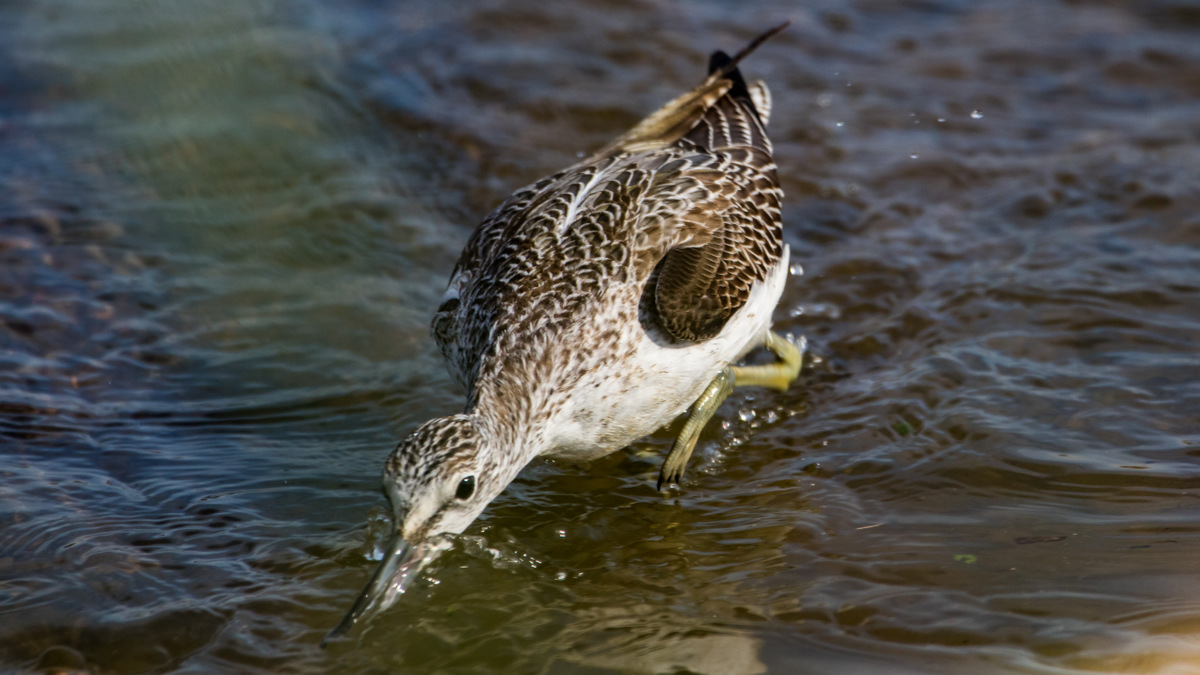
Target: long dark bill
x: 399, y: 567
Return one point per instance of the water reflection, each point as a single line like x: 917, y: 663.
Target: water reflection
x: 223, y: 229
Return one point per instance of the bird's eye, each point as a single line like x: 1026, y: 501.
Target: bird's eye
x: 466, y: 488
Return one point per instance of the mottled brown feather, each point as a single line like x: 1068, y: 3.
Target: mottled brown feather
x: 688, y: 201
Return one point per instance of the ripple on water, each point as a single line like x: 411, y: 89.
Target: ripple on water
x: 222, y: 232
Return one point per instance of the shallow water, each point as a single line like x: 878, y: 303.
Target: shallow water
x: 224, y: 228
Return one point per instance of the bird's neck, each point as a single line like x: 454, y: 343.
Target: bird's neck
x: 517, y: 422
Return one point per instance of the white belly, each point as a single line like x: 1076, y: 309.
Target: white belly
x: 610, y: 410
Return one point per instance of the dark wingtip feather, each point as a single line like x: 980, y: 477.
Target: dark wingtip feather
x: 722, y: 65
x: 717, y: 62
x: 733, y: 62
x: 678, y: 118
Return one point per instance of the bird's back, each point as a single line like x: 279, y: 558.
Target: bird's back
x: 676, y: 221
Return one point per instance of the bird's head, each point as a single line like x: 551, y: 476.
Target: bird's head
x: 438, y: 481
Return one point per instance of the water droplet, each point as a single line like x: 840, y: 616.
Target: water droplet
x: 561, y: 533
x: 746, y: 415
x: 824, y: 100
x: 725, y: 425
x: 941, y: 119
x: 579, y: 154
x: 840, y: 124
x: 914, y: 155
x: 771, y: 417
x: 796, y: 269
x: 824, y: 310
x: 976, y: 115
x: 796, y: 311
x: 561, y: 576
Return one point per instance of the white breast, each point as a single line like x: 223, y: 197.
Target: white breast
x: 609, y: 410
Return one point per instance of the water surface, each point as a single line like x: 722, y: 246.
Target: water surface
x: 224, y: 227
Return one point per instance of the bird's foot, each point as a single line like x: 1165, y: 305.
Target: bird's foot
x: 775, y: 375
x: 702, y: 411
x: 778, y: 376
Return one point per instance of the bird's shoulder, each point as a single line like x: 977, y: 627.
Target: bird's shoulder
x: 608, y: 220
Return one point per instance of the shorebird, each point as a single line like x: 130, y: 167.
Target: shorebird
x: 596, y: 306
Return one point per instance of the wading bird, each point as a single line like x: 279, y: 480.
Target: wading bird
x: 597, y: 305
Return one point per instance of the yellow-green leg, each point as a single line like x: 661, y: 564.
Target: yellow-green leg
x: 702, y: 411
x: 775, y: 375
x: 778, y: 376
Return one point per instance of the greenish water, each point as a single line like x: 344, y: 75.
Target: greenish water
x: 224, y: 228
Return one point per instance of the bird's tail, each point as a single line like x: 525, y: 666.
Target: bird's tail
x: 676, y: 119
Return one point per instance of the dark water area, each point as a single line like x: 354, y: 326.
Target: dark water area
x: 225, y: 226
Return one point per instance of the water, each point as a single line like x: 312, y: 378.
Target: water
x: 224, y: 227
